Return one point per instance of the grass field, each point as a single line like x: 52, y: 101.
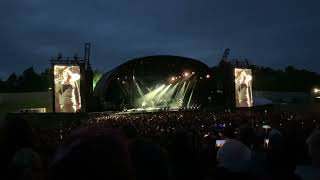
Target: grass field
x: 10, y: 102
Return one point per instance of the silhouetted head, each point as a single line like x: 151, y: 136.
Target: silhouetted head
x: 314, y: 147
x: 246, y: 135
x: 17, y: 134
x: 275, y: 140
x: 130, y: 131
x: 93, y: 154
x: 234, y: 156
x: 150, y: 160
x: 25, y: 164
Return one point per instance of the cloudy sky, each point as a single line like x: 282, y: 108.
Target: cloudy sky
x: 272, y: 33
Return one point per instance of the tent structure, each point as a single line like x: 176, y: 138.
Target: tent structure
x: 261, y: 101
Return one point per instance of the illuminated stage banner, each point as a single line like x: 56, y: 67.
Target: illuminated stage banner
x: 243, y: 87
x: 67, y: 88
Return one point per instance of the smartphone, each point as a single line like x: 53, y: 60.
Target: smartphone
x: 220, y: 126
x: 266, y: 127
x: 266, y: 143
x: 220, y: 143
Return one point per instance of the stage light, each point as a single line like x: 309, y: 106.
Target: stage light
x: 201, y: 77
x: 144, y: 104
x: 186, y: 74
x: 75, y: 77
x: 173, y: 78
x: 118, y: 78
x: 208, y: 76
x: 193, y: 72
x: 316, y: 90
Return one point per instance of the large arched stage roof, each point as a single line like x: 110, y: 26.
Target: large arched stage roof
x: 149, y: 64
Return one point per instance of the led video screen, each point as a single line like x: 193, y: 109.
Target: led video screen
x: 243, y: 87
x: 67, y: 88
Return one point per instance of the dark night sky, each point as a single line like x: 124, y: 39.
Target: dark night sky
x: 270, y: 32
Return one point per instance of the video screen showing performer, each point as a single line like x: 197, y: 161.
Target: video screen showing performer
x: 67, y: 88
x: 243, y: 87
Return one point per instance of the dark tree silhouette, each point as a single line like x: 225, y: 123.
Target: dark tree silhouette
x: 289, y: 79
x: 29, y: 81
x: 264, y: 79
x: 10, y: 85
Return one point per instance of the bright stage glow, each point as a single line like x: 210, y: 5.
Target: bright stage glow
x: 152, y: 98
x: 316, y: 90
x: 208, y: 76
x: 162, y: 93
x: 144, y: 103
x: 178, y: 99
x: 153, y: 93
x: 175, y: 94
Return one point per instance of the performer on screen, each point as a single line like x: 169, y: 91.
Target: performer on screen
x: 57, y: 87
x: 244, y: 90
x: 69, y: 92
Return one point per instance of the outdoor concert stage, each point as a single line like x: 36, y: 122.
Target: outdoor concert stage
x: 156, y: 83
x: 151, y: 83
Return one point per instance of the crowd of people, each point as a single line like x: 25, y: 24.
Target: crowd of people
x: 176, y: 145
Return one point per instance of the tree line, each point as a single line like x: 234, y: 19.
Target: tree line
x: 264, y: 79
x: 289, y: 79
x: 28, y: 81
x: 31, y: 81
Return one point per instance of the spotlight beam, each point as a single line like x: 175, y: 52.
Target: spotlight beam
x: 179, y: 96
x: 153, y: 93
x: 139, y: 90
x: 185, y: 91
x: 169, y: 94
x: 138, y: 87
x: 178, y: 90
x: 159, y: 96
x: 190, y: 97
